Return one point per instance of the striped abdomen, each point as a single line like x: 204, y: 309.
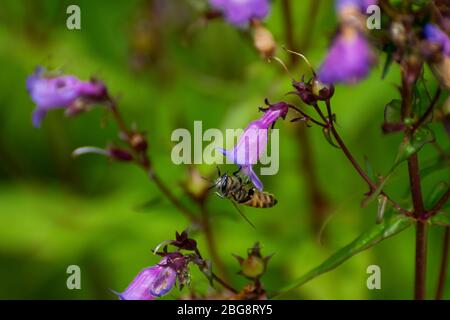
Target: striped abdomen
x: 258, y: 199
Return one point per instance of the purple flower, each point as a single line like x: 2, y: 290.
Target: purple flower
x: 59, y: 92
x: 360, y: 5
x: 435, y: 35
x: 253, y: 142
x: 348, y: 60
x: 240, y: 12
x: 155, y: 281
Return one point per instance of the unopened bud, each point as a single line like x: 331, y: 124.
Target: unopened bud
x: 264, y: 42
x: 398, y: 33
x: 321, y: 90
x: 138, y: 142
x: 253, y: 267
x: 304, y: 91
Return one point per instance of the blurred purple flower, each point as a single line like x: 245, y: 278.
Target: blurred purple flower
x: 240, y: 12
x: 348, y: 60
x: 435, y: 35
x: 59, y: 92
x: 253, y: 142
x: 361, y: 5
x: 155, y: 281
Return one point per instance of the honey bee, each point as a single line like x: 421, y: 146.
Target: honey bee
x: 241, y: 192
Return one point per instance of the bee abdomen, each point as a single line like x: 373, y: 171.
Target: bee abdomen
x: 261, y: 200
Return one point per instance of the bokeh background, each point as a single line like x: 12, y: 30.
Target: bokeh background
x: 168, y: 69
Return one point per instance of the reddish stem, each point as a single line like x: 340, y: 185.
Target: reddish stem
x: 421, y: 260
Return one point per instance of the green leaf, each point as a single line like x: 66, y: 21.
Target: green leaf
x: 393, y: 117
x: 327, y: 133
x: 392, y: 111
x: 441, y: 219
x: 436, y: 194
x: 368, y: 239
x: 387, y: 64
x: 433, y: 166
x: 369, y: 169
x: 410, y: 146
x: 375, y: 193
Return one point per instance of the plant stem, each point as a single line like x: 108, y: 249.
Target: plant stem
x: 415, y: 184
x: 315, y: 196
x: 210, y: 240
x: 144, y: 162
x: 416, y: 190
x: 372, y: 185
x: 224, y: 284
x: 444, y: 264
x: 421, y: 260
x: 214, y: 276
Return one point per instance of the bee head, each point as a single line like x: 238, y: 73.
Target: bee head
x: 221, y: 182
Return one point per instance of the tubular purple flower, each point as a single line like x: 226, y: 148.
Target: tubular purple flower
x: 240, y: 12
x: 348, y: 60
x: 435, y: 35
x: 59, y: 92
x: 155, y: 281
x: 253, y: 142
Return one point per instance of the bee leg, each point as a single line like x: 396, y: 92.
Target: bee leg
x: 218, y: 171
x: 219, y: 195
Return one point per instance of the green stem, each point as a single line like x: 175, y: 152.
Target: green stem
x: 444, y: 264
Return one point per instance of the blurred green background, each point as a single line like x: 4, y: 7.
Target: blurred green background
x: 56, y: 211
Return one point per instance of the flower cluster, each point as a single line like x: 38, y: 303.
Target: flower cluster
x: 241, y: 12
x: 253, y: 142
x: 350, y: 57
x: 67, y: 92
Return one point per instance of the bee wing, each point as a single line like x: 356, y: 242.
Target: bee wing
x: 242, y: 214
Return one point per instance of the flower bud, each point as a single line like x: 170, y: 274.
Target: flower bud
x: 195, y: 185
x: 254, y: 266
x: 304, y: 91
x: 321, y: 90
x: 138, y: 142
x: 264, y: 42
